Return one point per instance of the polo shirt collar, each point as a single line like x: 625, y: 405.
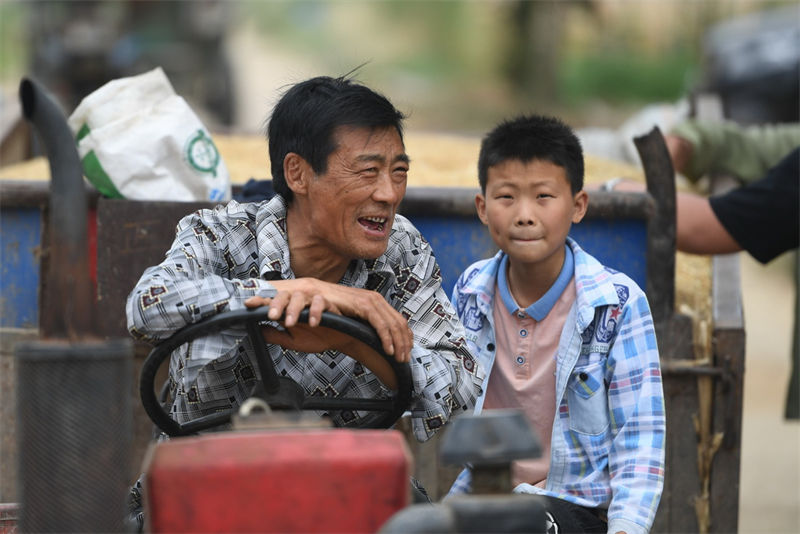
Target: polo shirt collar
x: 539, y: 309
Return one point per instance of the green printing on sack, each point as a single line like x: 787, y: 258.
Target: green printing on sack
x: 202, y: 154
x: 97, y: 176
x: 83, y: 132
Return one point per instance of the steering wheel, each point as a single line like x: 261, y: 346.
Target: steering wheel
x: 279, y: 391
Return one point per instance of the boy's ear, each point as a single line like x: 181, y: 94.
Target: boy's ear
x: 480, y: 206
x: 579, y: 204
x: 297, y: 172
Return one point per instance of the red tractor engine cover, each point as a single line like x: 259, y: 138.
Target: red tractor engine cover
x: 335, y: 480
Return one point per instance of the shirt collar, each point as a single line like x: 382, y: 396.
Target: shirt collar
x: 539, y: 309
x: 273, y: 244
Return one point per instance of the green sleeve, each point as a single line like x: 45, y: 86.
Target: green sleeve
x: 745, y: 152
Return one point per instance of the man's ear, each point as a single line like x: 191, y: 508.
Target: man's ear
x: 480, y: 206
x: 297, y: 173
x: 579, y: 204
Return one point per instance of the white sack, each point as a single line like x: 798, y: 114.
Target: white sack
x: 137, y: 139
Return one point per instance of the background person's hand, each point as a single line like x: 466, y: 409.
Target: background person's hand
x: 680, y: 152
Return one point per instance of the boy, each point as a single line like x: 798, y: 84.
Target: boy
x: 562, y: 337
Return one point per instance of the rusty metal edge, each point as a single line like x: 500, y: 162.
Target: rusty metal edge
x: 30, y: 194
x: 460, y: 201
x: 419, y: 200
x: 661, y: 227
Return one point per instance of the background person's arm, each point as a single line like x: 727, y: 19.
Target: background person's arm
x: 745, y: 152
x: 697, y: 228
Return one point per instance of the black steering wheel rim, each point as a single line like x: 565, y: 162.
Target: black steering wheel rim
x: 385, y: 412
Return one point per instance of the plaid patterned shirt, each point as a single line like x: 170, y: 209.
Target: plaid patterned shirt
x: 223, y: 256
x: 607, y: 447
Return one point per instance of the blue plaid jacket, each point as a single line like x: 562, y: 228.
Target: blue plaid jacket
x: 607, y: 447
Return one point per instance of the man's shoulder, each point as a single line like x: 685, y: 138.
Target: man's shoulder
x: 222, y: 214
x: 240, y: 210
x: 404, y: 239
x: 402, y: 227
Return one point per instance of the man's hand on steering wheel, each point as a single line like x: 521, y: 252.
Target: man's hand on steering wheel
x: 295, y: 295
x: 282, y: 391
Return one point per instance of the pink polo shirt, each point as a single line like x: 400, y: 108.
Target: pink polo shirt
x: 523, y: 375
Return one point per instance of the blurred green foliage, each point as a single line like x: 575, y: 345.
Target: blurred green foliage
x: 459, y: 52
x: 463, y: 64
x: 620, y: 75
x: 13, y: 50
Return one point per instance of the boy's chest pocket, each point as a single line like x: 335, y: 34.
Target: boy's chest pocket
x: 588, y: 400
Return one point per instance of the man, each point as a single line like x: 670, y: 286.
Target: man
x: 330, y: 240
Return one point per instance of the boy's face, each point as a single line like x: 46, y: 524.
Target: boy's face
x: 529, y: 209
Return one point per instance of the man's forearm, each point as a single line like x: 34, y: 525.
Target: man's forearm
x: 164, y: 301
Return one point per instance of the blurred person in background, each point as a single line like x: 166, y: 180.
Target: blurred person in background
x: 699, y: 148
x: 761, y: 216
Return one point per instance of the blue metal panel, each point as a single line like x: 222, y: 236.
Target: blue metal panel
x: 20, y: 236
x: 619, y: 243
x: 459, y: 241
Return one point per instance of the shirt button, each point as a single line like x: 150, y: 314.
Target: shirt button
x: 523, y: 332
x: 583, y: 376
x: 490, y: 347
x: 521, y: 315
x: 520, y: 360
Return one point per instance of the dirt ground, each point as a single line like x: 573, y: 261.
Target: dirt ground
x: 770, y: 470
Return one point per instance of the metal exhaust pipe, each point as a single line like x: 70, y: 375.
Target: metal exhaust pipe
x: 73, y: 389
x: 67, y: 247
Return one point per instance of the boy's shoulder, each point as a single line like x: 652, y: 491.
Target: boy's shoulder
x: 480, y: 272
x: 588, y: 267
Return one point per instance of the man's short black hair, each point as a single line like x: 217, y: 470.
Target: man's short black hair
x: 306, y: 117
x: 533, y: 137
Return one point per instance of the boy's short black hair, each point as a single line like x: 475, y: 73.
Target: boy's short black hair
x: 533, y: 137
x: 306, y: 117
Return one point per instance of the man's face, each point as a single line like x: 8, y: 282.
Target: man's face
x: 529, y: 209
x: 354, y: 202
